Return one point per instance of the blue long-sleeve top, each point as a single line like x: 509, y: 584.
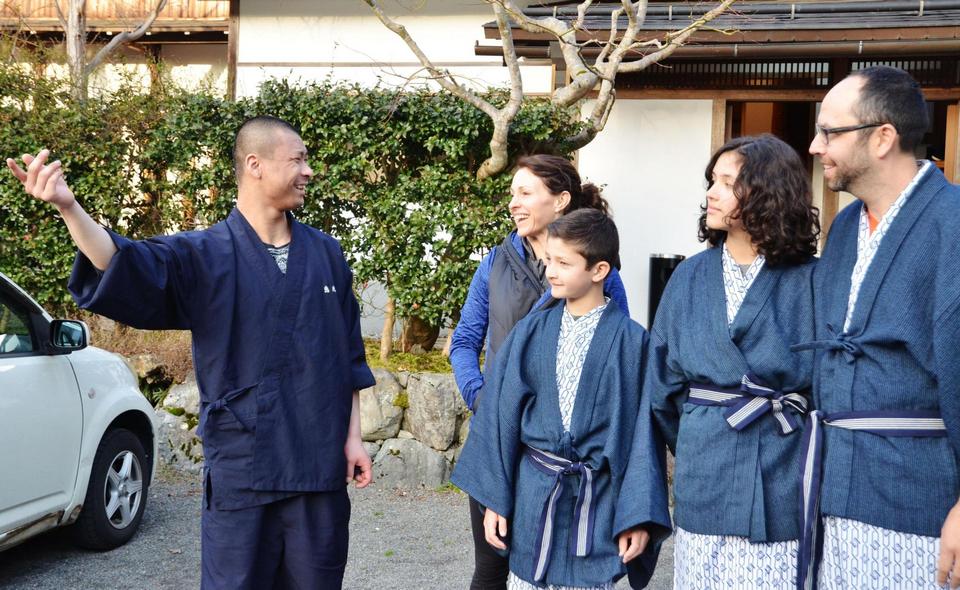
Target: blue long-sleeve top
x: 470, y: 334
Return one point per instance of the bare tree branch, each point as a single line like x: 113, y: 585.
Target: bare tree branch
x: 60, y: 16
x: 582, y: 14
x: 125, y: 37
x: 499, y: 154
x: 443, y: 77
x: 675, y: 39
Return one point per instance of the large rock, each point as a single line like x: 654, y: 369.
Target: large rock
x: 409, y: 464
x: 178, y: 443
x: 380, y: 407
x: 185, y: 396
x: 434, y: 407
x: 144, y: 365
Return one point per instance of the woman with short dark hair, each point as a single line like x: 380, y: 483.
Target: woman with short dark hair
x: 722, y: 388
x: 509, y: 283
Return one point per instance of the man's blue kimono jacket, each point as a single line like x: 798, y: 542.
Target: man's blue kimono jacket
x: 726, y: 482
x: 519, y: 408
x: 901, y: 352
x: 277, y: 355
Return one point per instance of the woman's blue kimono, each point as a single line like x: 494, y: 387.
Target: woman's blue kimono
x: 277, y: 355
x: 519, y: 410
x: 726, y: 481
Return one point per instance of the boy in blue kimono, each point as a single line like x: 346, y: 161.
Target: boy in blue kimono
x: 277, y: 351
x: 548, y: 447
x: 881, y: 466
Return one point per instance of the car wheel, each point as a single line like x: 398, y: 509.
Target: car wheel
x: 117, y: 492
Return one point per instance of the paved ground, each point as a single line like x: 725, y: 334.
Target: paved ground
x: 411, y: 541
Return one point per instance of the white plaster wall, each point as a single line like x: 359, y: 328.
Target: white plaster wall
x: 197, y: 66
x: 343, y: 40
x: 651, y: 157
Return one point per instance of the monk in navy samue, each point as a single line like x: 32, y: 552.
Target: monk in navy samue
x: 278, y: 356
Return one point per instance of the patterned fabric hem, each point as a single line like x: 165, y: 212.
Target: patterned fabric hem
x: 705, y: 562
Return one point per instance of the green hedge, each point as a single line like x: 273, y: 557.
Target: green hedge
x: 395, y: 176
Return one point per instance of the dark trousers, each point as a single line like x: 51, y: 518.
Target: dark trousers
x: 490, y: 569
x: 298, y: 542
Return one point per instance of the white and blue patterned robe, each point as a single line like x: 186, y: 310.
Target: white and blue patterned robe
x: 736, y: 492
x: 572, y: 346
x: 520, y: 409
x: 721, y: 561
x: 857, y: 554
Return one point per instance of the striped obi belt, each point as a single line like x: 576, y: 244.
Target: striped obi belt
x: 925, y: 423
x: 581, y: 536
x: 750, y: 401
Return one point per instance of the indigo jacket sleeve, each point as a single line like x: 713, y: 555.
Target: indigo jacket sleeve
x: 471, y: 332
x: 360, y: 373
x: 147, y: 285
x: 486, y: 469
x: 613, y: 287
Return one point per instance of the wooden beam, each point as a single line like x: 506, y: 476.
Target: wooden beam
x: 718, y: 131
x: 828, y: 211
x: 951, y: 94
x: 232, y: 44
x: 951, y: 159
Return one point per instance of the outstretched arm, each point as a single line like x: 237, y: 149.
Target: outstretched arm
x: 46, y: 182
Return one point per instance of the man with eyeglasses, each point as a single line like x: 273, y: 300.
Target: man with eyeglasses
x: 880, y: 471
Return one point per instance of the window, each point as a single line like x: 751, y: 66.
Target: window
x: 15, y: 337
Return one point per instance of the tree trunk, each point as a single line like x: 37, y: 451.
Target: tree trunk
x: 448, y: 344
x: 386, y: 337
x: 75, y: 38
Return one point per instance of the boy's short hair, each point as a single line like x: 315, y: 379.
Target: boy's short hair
x: 592, y: 233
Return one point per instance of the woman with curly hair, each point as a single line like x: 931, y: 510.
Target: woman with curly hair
x: 722, y: 389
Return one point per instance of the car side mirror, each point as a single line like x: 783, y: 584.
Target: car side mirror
x: 68, y: 335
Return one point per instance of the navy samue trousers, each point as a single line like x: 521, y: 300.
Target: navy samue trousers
x: 294, y: 543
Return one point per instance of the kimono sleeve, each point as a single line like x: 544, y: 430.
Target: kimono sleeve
x: 147, y: 284
x: 488, y: 462
x: 644, y: 499
x: 361, y: 377
x: 946, y: 343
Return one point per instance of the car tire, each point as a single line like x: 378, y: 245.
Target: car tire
x: 117, y: 493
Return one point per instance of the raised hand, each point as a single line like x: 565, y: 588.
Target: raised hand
x: 43, y: 181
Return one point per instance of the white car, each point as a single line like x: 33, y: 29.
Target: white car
x: 77, y: 438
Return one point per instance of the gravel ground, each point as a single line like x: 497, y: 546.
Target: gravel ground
x: 413, y: 541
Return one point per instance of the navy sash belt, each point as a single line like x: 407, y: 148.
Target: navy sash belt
x: 223, y: 404
x: 750, y: 401
x: 838, y: 342
x: 922, y: 423
x: 581, y: 538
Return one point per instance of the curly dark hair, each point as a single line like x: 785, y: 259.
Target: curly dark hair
x: 775, y: 200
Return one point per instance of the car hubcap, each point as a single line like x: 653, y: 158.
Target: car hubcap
x: 122, y: 490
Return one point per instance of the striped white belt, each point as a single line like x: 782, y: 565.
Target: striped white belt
x: 914, y: 423
x: 581, y: 539
x: 750, y: 401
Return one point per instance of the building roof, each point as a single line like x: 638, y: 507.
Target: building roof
x: 180, y: 20
x: 776, y: 29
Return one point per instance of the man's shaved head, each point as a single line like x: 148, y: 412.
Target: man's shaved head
x: 257, y: 136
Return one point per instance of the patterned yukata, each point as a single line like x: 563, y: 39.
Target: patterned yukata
x: 576, y: 334
x: 856, y: 554
x: 720, y: 561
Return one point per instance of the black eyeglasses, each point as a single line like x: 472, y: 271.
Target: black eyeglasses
x: 827, y: 131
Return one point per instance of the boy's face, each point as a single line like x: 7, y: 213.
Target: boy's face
x: 568, y: 273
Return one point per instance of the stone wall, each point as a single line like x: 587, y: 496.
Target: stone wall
x: 413, y: 426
